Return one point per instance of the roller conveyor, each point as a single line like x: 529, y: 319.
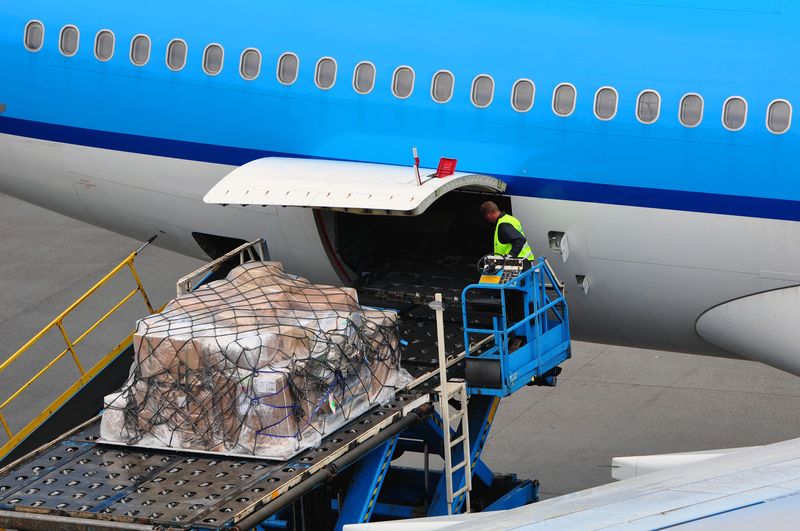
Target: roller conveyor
x: 77, y: 477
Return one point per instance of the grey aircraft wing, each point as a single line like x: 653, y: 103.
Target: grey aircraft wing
x: 754, y: 487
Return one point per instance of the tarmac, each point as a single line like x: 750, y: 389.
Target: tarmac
x: 610, y: 401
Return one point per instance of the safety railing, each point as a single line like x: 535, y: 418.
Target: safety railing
x: 252, y: 251
x: 541, y: 308
x: 536, y: 282
x: 14, y: 437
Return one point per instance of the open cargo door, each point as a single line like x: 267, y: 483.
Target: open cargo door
x: 355, y: 187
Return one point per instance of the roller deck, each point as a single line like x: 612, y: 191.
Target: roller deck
x: 79, y: 478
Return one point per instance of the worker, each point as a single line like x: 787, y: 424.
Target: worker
x: 509, y: 239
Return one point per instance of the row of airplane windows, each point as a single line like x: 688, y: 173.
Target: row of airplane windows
x: 648, y: 102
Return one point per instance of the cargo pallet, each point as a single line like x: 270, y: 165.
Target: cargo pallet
x: 75, y: 482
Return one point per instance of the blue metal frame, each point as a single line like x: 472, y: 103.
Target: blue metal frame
x: 546, y: 341
x: 523, y: 494
x: 544, y: 327
x: 273, y: 522
x: 365, y: 485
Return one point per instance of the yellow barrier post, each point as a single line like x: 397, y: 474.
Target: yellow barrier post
x: 70, y: 346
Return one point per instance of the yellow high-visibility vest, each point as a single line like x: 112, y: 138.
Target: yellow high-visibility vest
x: 505, y: 248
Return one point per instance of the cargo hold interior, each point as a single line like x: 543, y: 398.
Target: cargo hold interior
x: 409, y: 258
x: 400, y: 262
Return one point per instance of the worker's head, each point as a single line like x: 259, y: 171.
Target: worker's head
x: 489, y: 211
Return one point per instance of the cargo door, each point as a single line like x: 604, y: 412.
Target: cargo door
x: 355, y: 187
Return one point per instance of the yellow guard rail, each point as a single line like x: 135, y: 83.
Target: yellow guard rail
x: 58, y: 322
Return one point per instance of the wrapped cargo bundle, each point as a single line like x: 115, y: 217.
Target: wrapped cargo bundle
x: 262, y: 364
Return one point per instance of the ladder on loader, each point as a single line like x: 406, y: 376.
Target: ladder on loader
x: 452, y: 389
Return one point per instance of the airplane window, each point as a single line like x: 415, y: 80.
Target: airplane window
x: 34, y: 35
x: 68, y: 40
x: 288, y: 65
x: 734, y: 113
x: 250, y: 64
x: 605, y: 103
x: 213, y: 56
x: 104, y: 45
x: 442, y: 86
x: 648, y: 106
x: 691, y: 110
x: 364, y: 77
x: 564, y: 99
x: 403, y: 82
x: 779, y: 116
x: 522, y: 95
x: 482, y: 91
x: 176, y: 54
x: 140, y: 50
x: 326, y: 73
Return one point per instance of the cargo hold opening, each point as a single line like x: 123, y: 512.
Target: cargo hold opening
x: 387, y: 229
x: 409, y: 258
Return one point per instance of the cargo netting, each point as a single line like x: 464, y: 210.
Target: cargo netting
x: 262, y: 363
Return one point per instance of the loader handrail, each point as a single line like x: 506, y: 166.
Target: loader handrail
x: 70, y: 344
x: 255, y: 250
x: 542, y: 278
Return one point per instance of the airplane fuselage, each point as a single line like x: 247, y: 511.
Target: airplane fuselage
x: 666, y: 218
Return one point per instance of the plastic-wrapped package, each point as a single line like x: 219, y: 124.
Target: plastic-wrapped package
x: 261, y: 363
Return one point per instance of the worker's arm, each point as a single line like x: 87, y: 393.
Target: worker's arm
x: 506, y: 233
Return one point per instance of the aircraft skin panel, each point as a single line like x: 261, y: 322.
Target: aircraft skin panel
x: 531, y: 151
x: 127, y: 192
x: 348, y: 186
x: 761, y: 327
x: 697, y: 493
x: 625, y: 467
x: 778, y: 515
x: 661, y: 270
x: 141, y: 196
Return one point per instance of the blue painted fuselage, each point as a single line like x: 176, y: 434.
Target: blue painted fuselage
x: 717, y: 49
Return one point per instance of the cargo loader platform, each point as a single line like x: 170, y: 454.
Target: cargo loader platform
x: 78, y: 478
x: 76, y: 482
x: 75, y: 479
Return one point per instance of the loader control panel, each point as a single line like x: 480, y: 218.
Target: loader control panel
x: 498, y: 269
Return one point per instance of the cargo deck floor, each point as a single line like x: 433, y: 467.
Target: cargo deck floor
x: 78, y: 477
